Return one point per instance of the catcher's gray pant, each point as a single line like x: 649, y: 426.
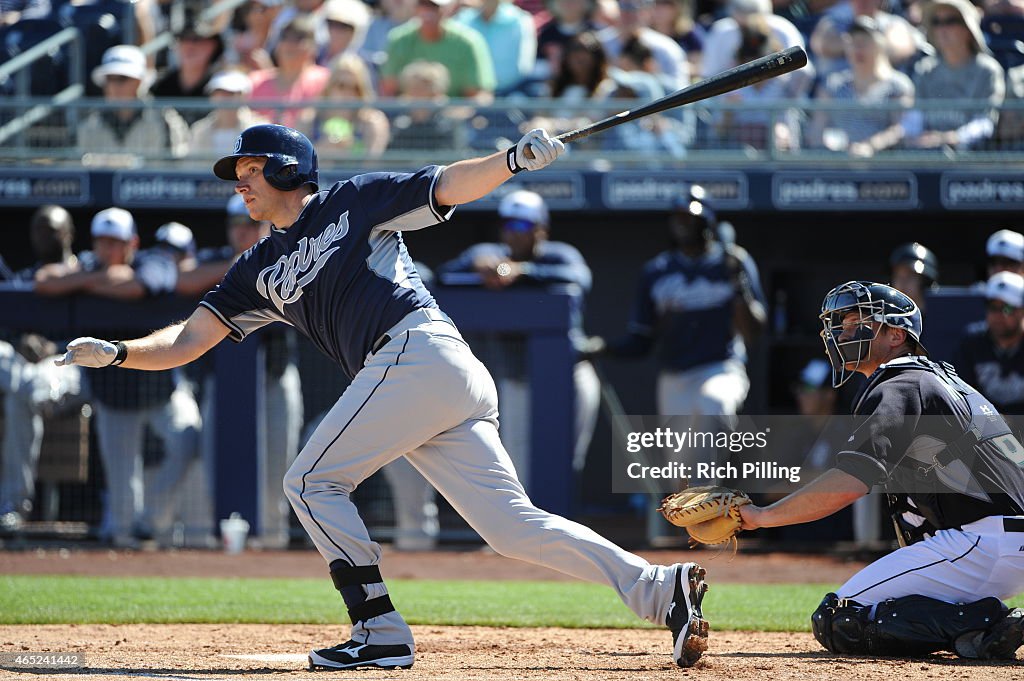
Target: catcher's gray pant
x: 984, y: 558
x: 278, y: 443
x: 120, y: 434
x: 424, y: 395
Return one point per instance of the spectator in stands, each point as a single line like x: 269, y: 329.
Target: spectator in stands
x: 871, y: 83
x: 281, y: 422
x: 296, y: 80
x: 197, y: 49
x: 361, y: 132
x: 634, y: 23
x: 989, y: 356
x: 313, y: 10
x: 149, y: 131
x: 390, y: 14
x: 347, y: 21
x: 250, y: 44
x: 426, y: 127
x: 126, y: 402
x: 675, y: 18
x: 914, y: 269
x: 1005, y: 251
x: 220, y: 128
x: 724, y: 38
x: 526, y: 258
x: 569, y: 18
x: 748, y: 124
x: 1010, y: 131
x: 511, y: 40
x: 961, y: 69
x: 582, y: 76
x: 903, y: 42
x: 434, y: 37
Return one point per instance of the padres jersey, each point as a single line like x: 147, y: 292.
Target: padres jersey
x: 997, y: 373
x: 688, y: 303
x: 341, y: 273
x: 912, y: 437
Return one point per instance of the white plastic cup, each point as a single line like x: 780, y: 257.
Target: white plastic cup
x: 233, y: 532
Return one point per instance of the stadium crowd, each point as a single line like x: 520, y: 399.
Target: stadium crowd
x: 362, y: 78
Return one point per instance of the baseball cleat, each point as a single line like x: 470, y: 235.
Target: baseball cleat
x: 1003, y: 639
x: 354, y: 654
x: 685, y: 619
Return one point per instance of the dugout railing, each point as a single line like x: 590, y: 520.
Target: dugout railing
x: 541, y: 320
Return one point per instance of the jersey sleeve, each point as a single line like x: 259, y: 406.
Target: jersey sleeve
x: 235, y: 303
x: 567, y: 267
x: 398, y: 202
x: 887, y: 420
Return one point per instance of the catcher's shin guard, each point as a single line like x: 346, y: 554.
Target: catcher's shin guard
x: 904, y: 627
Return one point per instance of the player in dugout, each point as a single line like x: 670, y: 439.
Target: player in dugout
x: 335, y: 267
x: 952, y: 472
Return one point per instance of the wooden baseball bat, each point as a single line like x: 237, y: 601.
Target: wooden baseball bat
x: 763, y: 68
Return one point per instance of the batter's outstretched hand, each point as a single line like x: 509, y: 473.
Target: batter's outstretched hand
x: 88, y: 352
x: 543, y: 149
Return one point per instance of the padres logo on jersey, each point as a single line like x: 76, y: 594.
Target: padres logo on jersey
x: 282, y: 282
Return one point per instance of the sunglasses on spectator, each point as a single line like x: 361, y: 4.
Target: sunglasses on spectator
x: 947, y: 21
x: 341, y: 25
x: 999, y: 307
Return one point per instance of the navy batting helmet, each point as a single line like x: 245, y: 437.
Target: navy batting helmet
x: 291, y: 159
x: 874, y: 302
x: 919, y: 258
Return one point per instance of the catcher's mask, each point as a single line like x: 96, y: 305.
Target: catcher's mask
x: 875, y: 303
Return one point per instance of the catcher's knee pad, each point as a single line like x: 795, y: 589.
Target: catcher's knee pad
x: 917, y: 625
x: 840, y: 625
x: 349, y: 580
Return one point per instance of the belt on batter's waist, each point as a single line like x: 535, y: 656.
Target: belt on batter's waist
x: 1013, y: 524
x: 413, y: 319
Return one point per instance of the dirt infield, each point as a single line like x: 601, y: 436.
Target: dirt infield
x: 776, y: 568
x: 462, y: 654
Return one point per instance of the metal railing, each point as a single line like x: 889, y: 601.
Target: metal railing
x: 712, y: 132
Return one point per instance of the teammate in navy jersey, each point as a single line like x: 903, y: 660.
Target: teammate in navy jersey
x: 954, y: 476
x: 336, y: 268
x: 990, y: 355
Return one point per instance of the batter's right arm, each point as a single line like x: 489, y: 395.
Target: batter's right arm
x: 167, y: 348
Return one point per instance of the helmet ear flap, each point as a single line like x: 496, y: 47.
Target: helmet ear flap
x: 282, y: 174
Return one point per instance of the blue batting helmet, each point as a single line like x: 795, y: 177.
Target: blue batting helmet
x: 291, y: 159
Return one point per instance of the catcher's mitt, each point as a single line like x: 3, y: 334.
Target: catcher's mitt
x: 711, y: 515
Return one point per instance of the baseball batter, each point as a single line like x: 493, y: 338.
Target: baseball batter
x: 335, y: 267
x: 955, y: 483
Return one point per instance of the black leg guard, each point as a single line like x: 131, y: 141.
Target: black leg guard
x: 349, y: 580
x: 902, y: 627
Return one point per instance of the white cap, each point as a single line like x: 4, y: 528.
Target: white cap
x: 352, y: 12
x: 236, y: 206
x: 1007, y: 287
x: 116, y: 223
x: 122, y: 60
x: 524, y: 205
x: 230, y: 81
x: 1006, y: 244
x: 750, y: 6
x: 177, y: 236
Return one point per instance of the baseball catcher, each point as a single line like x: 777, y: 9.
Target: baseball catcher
x: 952, y: 472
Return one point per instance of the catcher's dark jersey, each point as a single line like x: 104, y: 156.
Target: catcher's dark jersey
x: 910, y: 438
x: 997, y: 373
x: 341, y: 273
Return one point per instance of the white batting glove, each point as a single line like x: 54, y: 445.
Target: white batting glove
x: 89, y: 352
x: 545, y: 150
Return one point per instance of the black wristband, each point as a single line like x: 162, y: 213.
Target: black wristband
x: 122, y: 353
x: 510, y: 161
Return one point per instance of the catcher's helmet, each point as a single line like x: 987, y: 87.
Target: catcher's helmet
x: 874, y: 302
x: 291, y: 159
x: 918, y: 258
